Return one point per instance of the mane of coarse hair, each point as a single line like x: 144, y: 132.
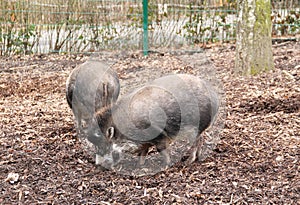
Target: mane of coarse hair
x: 104, y: 113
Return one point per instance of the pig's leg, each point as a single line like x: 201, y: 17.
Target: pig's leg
x: 142, y: 153
x: 196, y: 149
x: 79, y: 125
x: 78, y: 118
x: 142, y: 156
x: 192, y: 156
x: 162, y: 148
x: 166, y: 156
x: 201, y: 147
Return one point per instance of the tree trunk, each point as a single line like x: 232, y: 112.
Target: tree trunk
x: 254, y: 41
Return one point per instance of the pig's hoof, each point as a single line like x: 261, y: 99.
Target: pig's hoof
x: 190, y: 160
x: 167, y: 166
x: 101, y: 168
x: 192, y: 157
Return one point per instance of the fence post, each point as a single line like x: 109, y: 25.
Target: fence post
x: 145, y: 27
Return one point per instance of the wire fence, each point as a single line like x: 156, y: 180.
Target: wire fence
x: 43, y: 26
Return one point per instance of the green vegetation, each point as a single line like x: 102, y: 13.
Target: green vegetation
x: 91, y: 25
x: 286, y: 25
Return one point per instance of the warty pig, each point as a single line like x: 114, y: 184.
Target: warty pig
x: 156, y: 113
x: 89, y: 87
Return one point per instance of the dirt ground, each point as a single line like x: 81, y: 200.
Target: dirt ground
x: 255, y: 162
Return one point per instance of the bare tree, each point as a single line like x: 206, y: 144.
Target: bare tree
x: 254, y: 40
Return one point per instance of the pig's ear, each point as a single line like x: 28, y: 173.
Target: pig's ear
x: 110, y: 133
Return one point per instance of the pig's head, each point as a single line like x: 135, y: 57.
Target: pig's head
x: 107, y: 139
x: 104, y: 121
x: 104, y: 118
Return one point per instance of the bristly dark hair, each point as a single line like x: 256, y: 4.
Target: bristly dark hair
x: 103, y: 114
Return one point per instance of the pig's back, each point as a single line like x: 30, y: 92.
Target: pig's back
x: 174, y: 101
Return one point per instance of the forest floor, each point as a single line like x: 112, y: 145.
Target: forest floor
x: 255, y: 162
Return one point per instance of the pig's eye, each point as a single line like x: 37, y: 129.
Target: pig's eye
x: 110, y: 133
